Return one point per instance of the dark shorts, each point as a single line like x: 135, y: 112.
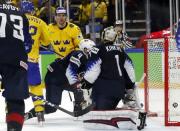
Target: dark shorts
x: 34, y: 76
x: 14, y: 82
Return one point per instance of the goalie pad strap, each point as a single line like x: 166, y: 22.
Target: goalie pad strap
x: 111, y: 119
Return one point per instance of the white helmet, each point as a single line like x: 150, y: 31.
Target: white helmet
x: 109, y: 35
x: 86, y: 46
x: 8, y: 1
x: 119, y: 22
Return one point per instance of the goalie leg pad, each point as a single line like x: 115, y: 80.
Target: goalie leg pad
x: 115, y: 119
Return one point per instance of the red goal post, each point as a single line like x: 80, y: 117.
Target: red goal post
x: 162, y: 81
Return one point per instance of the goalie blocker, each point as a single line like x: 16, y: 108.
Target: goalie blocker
x: 124, y: 119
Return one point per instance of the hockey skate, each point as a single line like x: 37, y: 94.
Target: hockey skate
x: 29, y: 115
x: 40, y: 117
x: 13, y: 129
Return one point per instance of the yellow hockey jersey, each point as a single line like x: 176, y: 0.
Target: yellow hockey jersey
x: 65, y: 40
x: 100, y: 10
x: 84, y: 13
x: 39, y: 32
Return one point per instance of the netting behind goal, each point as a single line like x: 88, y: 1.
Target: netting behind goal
x: 162, y: 81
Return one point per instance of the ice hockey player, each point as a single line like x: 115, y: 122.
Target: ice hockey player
x: 109, y: 73
x: 122, y: 39
x: 39, y: 32
x: 63, y: 75
x: 15, y: 43
x: 65, y: 35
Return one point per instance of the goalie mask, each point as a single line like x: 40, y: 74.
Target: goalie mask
x: 108, y: 35
x: 86, y: 46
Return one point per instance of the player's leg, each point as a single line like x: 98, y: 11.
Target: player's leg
x: 119, y: 119
x: 36, y: 88
x: 15, y: 114
x: 131, y: 99
x: 53, y: 92
x: 106, y: 102
x: 15, y: 84
x: 107, y: 93
x: 38, y: 104
x: 54, y: 81
x: 53, y: 95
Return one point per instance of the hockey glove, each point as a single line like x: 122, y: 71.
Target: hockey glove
x: 77, y: 85
x: 86, y: 85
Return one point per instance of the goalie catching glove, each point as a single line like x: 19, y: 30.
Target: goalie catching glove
x: 131, y: 99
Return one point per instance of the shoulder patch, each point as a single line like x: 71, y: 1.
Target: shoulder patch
x: 95, y: 50
x: 75, y: 61
x: 80, y: 55
x: 71, y: 25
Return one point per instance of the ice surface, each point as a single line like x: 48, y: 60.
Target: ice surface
x: 60, y: 121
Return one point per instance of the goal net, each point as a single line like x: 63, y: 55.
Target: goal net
x: 162, y: 81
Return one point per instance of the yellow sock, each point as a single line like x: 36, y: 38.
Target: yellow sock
x: 37, y: 90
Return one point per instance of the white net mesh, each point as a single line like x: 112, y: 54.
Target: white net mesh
x: 156, y: 77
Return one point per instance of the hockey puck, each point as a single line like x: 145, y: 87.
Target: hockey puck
x: 175, y: 105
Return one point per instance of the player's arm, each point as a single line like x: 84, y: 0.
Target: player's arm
x: 129, y: 71
x: 131, y: 98
x: 72, y: 69
x: 45, y: 39
x: 27, y: 36
x: 93, y: 66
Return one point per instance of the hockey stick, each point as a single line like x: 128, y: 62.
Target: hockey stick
x: 53, y: 105
x: 141, y: 80
x: 140, y: 105
x: 142, y: 113
x: 74, y: 114
x: 49, y: 49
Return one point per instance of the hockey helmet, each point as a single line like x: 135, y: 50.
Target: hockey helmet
x: 118, y: 22
x: 109, y: 35
x: 61, y: 10
x: 27, y: 7
x: 10, y: 1
x: 86, y: 46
